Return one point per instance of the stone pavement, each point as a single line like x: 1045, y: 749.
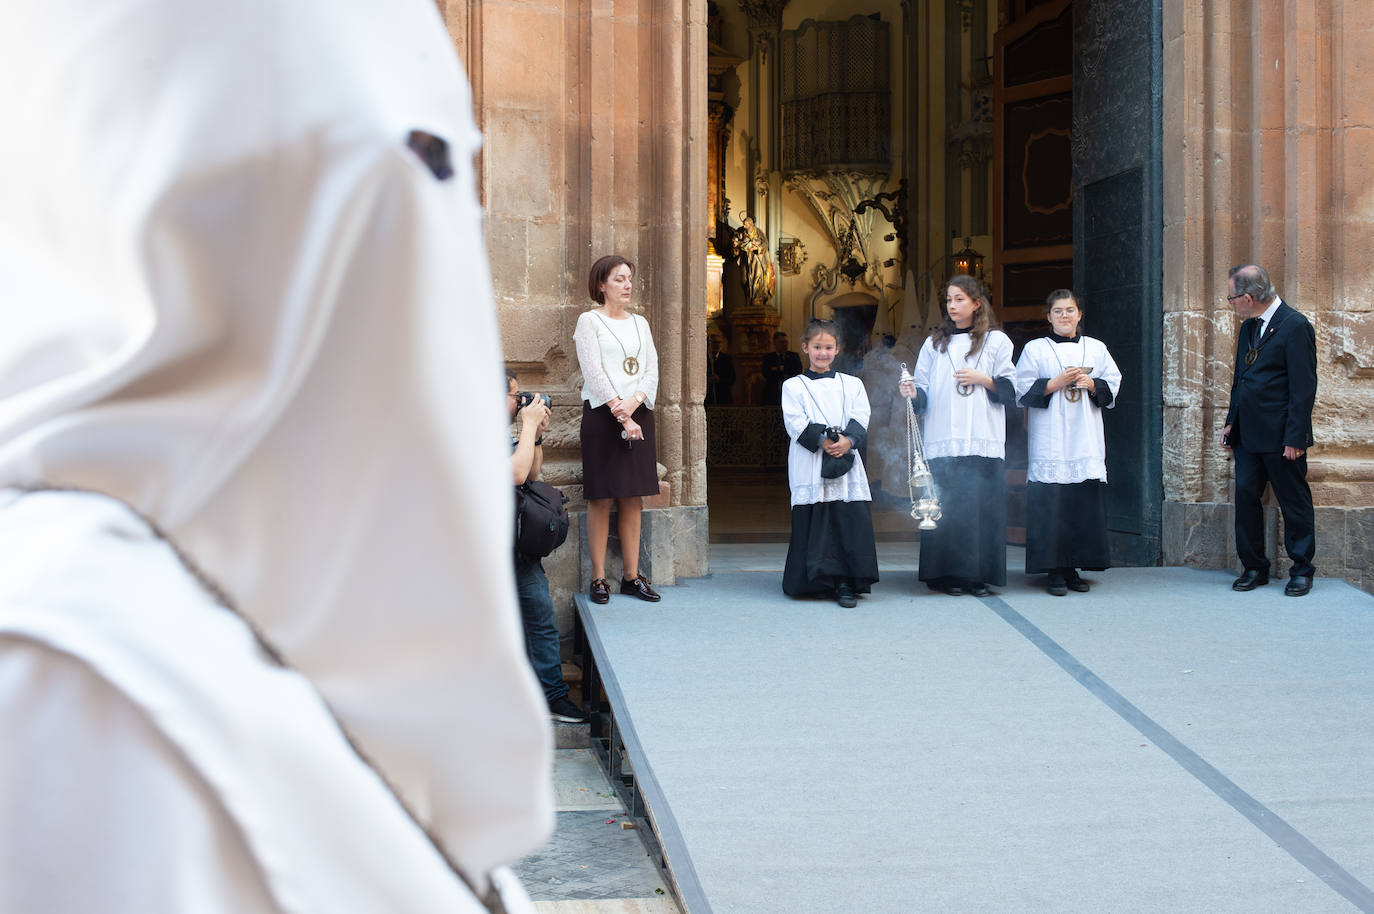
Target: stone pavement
x: 593, y: 864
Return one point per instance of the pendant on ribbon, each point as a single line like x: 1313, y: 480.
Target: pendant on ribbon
x: 1073, y: 394
x: 631, y: 365
x: 1251, y: 356
x: 965, y: 390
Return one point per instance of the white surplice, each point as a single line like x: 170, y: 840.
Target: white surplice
x: 830, y: 401
x: 1066, y: 442
x: 957, y: 425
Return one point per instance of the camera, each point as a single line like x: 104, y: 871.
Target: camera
x: 523, y: 399
x: 833, y: 433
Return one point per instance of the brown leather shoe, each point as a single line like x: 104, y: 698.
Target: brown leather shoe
x: 601, y: 591
x: 640, y: 587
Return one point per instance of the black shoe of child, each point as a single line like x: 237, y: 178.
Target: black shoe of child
x: 844, y: 593
x: 1074, y: 582
x: 1057, y: 586
x: 953, y: 588
x: 978, y: 589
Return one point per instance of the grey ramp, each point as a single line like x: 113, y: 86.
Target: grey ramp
x: 920, y: 754
x: 1275, y: 692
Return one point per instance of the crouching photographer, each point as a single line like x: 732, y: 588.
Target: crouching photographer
x: 541, y: 526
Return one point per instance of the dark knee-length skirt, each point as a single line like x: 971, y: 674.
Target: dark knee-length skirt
x: 610, y: 468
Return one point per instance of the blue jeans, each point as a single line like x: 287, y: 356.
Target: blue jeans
x: 541, y: 627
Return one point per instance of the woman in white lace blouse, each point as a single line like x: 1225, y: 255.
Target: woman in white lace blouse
x: 619, y: 380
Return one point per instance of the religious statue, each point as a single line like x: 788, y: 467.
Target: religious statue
x: 755, y: 262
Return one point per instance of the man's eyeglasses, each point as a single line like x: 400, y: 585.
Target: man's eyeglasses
x: 1232, y: 298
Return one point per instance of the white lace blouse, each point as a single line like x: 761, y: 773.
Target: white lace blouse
x: 604, y: 347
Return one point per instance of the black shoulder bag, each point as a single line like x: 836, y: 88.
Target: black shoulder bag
x: 541, y: 520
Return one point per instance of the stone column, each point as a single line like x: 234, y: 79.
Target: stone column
x: 592, y: 113
x: 1268, y: 147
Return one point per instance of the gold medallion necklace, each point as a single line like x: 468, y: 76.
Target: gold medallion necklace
x: 630, y: 363
x: 1073, y: 394
x: 965, y: 389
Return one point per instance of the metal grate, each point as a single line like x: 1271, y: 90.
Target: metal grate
x: 836, y: 96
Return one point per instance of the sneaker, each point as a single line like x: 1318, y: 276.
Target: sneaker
x: 845, y: 594
x: 561, y: 709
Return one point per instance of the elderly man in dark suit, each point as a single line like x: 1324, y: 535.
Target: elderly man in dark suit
x: 1269, y: 427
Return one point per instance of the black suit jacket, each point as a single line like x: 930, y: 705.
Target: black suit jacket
x: 776, y: 369
x: 1271, y: 399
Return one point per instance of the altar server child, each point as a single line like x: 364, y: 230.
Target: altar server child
x: 1066, y: 379
x: 963, y: 383
x: 826, y: 415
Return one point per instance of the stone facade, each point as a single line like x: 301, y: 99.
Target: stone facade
x: 595, y: 117
x: 1268, y: 158
x: 593, y: 113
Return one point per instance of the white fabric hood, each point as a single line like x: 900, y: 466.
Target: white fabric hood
x: 234, y: 299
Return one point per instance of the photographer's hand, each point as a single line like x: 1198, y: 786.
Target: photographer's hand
x: 535, y: 416
x: 548, y: 417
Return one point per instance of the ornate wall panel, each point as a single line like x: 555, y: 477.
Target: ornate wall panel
x: 836, y: 95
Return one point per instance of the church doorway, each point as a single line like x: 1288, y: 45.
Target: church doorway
x: 857, y: 161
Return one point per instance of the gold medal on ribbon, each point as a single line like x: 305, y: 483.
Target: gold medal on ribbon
x: 965, y: 390
x: 631, y: 365
x: 1251, y: 356
x: 1073, y: 394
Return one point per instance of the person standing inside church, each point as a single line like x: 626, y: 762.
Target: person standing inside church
x: 1066, y: 380
x: 779, y: 365
x: 720, y: 373
x: 1269, y: 427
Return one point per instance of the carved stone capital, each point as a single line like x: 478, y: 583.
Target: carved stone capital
x: 763, y: 14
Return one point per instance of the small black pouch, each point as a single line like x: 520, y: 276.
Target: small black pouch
x: 835, y: 467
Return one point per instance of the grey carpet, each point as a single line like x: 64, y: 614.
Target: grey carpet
x: 1160, y: 744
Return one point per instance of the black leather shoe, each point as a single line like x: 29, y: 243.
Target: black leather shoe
x: 978, y: 589
x: 1056, y: 585
x: 1074, y: 582
x: 845, y: 595
x: 1298, y: 585
x: 953, y: 588
x: 1254, y: 577
x: 639, y: 586
x: 601, y: 591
